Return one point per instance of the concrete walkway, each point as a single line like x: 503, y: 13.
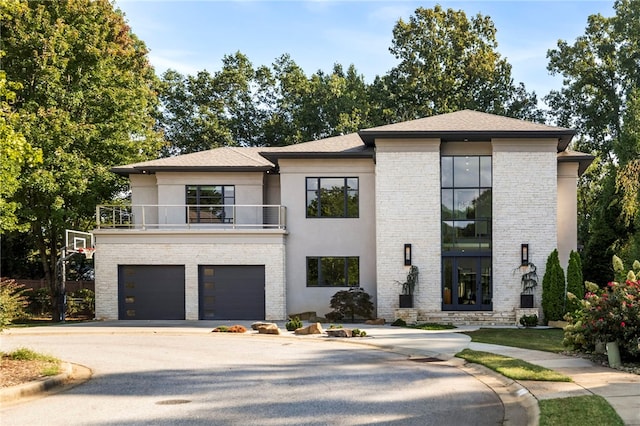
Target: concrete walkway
x: 621, y: 390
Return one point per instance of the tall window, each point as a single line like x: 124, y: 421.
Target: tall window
x: 333, y: 271
x: 466, y: 232
x: 210, y: 203
x: 332, y: 197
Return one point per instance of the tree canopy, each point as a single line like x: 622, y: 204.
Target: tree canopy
x: 449, y: 62
x: 86, y: 100
x: 599, y: 98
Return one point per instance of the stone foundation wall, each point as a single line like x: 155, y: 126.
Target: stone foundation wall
x: 468, y: 318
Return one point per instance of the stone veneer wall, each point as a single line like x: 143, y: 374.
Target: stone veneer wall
x: 524, y: 212
x: 191, y: 250
x: 407, y: 212
x: 524, y: 190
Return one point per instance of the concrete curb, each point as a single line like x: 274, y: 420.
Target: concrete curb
x: 71, y: 376
x: 520, y: 406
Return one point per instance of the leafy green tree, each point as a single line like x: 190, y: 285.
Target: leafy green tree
x: 87, y: 102
x: 599, y: 97
x: 192, y: 116
x: 242, y: 105
x: 16, y: 156
x: 448, y: 62
x: 553, y: 289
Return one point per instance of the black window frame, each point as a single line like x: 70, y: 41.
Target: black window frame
x: 346, y: 214
x: 222, y: 215
x: 481, y: 297
x: 320, y: 278
x: 486, y: 221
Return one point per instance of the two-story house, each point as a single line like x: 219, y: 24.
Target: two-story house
x: 260, y: 233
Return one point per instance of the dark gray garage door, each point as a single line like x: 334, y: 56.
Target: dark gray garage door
x: 231, y: 292
x: 151, y: 292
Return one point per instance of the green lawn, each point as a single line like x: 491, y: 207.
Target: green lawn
x: 549, y: 340
x: 591, y: 410
x: 432, y: 326
x: 513, y: 368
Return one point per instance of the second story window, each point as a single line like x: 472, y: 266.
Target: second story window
x: 332, y: 197
x: 210, y: 203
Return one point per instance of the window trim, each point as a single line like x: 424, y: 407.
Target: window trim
x: 345, y: 211
x: 319, y: 269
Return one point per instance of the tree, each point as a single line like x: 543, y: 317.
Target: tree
x: 599, y: 98
x: 192, y: 115
x: 87, y: 102
x: 277, y: 106
x: 16, y: 156
x: 447, y: 63
x: 553, y: 289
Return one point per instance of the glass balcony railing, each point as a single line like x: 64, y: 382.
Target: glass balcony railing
x: 151, y: 216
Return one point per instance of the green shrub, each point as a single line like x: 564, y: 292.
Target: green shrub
x: 13, y: 302
x: 356, y: 332
x: 81, y: 302
x: 39, y: 301
x: 349, y: 304
x: 575, y: 281
x: 399, y: 323
x: 553, y: 289
x: 293, y: 324
x: 606, y: 315
x: 529, y: 320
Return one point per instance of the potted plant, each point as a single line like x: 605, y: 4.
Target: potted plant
x: 529, y: 282
x: 406, y: 298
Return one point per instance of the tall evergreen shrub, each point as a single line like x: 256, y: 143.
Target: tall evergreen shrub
x: 553, y: 289
x: 575, y: 280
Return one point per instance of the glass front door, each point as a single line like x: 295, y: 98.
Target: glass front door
x: 466, y: 283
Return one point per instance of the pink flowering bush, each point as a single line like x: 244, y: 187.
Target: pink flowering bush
x: 608, y: 314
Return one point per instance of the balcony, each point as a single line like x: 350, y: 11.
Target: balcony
x: 175, y: 217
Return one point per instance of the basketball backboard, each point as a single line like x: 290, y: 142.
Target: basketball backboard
x: 77, y: 241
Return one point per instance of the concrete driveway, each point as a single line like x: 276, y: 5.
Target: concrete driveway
x: 191, y: 376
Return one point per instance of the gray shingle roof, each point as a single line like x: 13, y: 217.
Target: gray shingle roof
x: 467, y: 124
x: 242, y: 159
x: 461, y: 125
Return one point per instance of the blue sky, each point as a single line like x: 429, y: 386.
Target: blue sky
x: 190, y: 36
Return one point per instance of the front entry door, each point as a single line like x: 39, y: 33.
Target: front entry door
x: 466, y: 283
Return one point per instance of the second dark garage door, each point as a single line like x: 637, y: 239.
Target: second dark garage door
x: 231, y: 292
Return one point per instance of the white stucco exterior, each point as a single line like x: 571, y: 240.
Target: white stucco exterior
x: 398, y: 168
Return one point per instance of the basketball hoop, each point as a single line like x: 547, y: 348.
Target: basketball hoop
x: 87, y: 251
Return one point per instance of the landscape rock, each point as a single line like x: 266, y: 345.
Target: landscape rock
x: 315, y: 328
x: 257, y: 324
x: 377, y: 321
x: 339, y: 332
x: 268, y: 329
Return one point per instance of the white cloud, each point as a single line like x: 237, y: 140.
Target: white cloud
x: 391, y: 14
x: 185, y: 62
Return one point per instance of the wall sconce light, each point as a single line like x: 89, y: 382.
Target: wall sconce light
x: 524, y: 254
x: 407, y: 255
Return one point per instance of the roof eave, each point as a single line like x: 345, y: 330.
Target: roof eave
x: 584, y: 161
x: 155, y: 169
